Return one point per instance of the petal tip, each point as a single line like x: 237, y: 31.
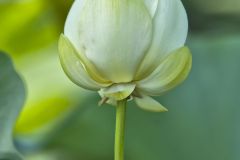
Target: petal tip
x: 149, y: 104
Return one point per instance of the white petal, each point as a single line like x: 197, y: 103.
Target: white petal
x: 152, y: 6
x: 74, y: 68
x: 172, y: 71
x: 149, y: 104
x: 170, y: 29
x: 118, y: 91
x: 71, y: 28
x: 113, y: 34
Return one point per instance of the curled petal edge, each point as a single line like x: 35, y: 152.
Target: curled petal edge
x: 73, y: 66
x: 170, y: 73
x: 88, y: 66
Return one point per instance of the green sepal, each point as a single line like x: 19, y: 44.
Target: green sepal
x: 149, y: 104
x: 118, y: 91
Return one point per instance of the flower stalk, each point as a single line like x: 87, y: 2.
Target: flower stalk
x: 120, y: 130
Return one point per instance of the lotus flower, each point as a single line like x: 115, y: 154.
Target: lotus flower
x: 126, y: 49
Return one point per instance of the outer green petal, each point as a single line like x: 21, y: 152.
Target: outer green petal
x: 151, y: 6
x: 118, y: 91
x: 170, y: 29
x: 88, y: 66
x: 73, y: 66
x: 172, y: 71
x: 113, y: 34
x: 149, y: 104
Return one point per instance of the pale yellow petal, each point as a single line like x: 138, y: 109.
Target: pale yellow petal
x: 149, y: 104
x: 118, y: 91
x: 170, y: 73
x: 73, y: 66
x: 151, y: 6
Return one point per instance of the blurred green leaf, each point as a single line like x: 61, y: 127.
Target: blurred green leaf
x: 12, y: 96
x: 51, y: 98
x: 222, y: 7
x: 27, y: 26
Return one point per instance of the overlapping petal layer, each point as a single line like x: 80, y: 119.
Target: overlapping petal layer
x: 151, y: 6
x: 118, y: 91
x: 172, y: 71
x: 170, y: 28
x: 74, y: 68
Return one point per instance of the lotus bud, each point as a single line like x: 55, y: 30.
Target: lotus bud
x: 126, y: 49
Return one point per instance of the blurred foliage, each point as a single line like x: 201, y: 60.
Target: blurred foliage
x: 33, y: 45
x: 60, y: 121
x: 12, y: 96
x: 216, y: 6
x: 30, y: 25
x: 215, y: 16
x: 50, y: 93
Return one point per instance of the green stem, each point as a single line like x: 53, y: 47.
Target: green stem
x: 120, y: 128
